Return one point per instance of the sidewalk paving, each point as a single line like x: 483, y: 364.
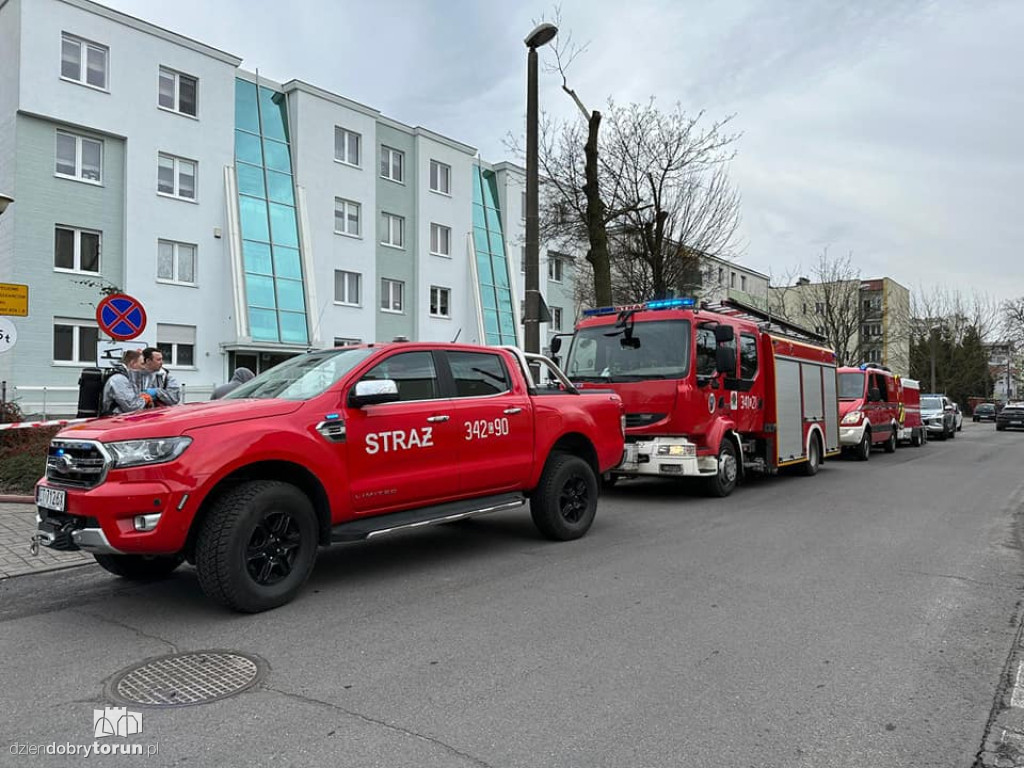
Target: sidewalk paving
x: 17, y: 524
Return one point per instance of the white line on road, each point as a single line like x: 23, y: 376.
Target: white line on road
x: 1017, y: 698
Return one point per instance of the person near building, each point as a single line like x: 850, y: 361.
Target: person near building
x: 156, y: 381
x: 240, y: 376
x: 121, y: 392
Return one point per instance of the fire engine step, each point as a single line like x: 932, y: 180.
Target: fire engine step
x: 358, y: 530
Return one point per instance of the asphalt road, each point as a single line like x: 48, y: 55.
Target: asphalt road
x: 863, y: 617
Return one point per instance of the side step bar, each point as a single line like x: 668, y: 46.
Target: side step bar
x: 368, y: 528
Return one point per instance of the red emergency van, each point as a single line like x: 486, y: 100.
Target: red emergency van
x: 869, y: 409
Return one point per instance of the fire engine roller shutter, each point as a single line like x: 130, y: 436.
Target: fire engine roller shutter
x: 789, y: 422
x: 831, y: 410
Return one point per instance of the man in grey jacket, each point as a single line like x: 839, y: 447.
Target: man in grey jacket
x: 155, y: 381
x: 121, y: 393
x: 239, y: 377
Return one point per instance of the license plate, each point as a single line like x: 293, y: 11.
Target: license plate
x: 51, y: 498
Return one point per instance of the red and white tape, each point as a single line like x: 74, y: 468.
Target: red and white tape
x: 33, y: 424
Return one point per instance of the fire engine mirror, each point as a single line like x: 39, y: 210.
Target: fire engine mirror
x: 630, y: 342
x: 373, y: 393
x: 556, y: 344
x: 724, y: 334
x: 725, y: 358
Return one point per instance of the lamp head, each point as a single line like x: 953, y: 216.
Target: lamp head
x: 5, y: 200
x: 542, y: 34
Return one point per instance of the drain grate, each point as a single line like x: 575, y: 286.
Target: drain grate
x: 184, y: 679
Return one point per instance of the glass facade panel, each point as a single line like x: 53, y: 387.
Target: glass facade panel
x: 257, y: 258
x: 253, y: 213
x: 286, y: 262
x: 289, y: 295
x: 247, y: 148
x: 279, y: 188
x: 266, y: 201
x: 478, y: 215
x: 246, y: 115
x: 282, y: 225
x: 260, y: 290
x: 493, y: 222
x: 492, y: 265
x: 250, y: 180
x: 483, y: 267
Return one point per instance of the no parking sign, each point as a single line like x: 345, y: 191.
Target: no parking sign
x: 121, y: 317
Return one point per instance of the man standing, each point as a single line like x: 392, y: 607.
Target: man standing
x: 156, y: 381
x: 120, y: 393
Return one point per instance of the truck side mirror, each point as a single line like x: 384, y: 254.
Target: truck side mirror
x: 556, y: 344
x: 724, y: 334
x: 373, y: 393
x: 725, y: 360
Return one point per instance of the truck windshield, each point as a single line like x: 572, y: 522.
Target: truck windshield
x: 851, y: 386
x: 662, y: 351
x: 302, y: 377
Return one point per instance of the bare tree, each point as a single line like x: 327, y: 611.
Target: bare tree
x: 957, y: 313
x: 678, y: 205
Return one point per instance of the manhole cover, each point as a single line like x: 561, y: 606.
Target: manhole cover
x: 184, y: 679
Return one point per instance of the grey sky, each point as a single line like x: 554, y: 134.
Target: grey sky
x: 889, y: 128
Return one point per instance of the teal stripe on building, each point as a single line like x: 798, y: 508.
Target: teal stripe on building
x: 492, y: 261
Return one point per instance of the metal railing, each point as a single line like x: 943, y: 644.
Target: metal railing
x: 46, y: 401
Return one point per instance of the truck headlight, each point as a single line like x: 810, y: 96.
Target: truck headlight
x: 135, y: 453
x: 852, y: 418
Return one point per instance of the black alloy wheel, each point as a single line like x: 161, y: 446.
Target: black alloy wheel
x: 270, y: 554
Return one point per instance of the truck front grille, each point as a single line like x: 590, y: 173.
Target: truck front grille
x: 76, y: 463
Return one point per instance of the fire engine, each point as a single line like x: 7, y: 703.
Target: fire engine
x: 710, y: 392
x: 871, y: 407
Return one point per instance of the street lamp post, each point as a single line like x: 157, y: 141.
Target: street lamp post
x: 5, y: 200
x: 541, y: 35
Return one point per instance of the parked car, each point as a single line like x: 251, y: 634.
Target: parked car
x: 1012, y: 416
x: 958, y: 417
x: 985, y: 412
x: 938, y: 416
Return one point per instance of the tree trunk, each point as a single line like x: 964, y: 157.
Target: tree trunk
x: 597, y: 234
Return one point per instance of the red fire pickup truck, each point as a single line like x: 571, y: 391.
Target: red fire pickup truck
x: 332, y: 446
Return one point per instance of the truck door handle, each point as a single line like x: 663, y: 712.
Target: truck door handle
x: 510, y: 411
x: 435, y: 419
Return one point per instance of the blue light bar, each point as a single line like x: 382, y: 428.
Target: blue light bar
x: 671, y: 303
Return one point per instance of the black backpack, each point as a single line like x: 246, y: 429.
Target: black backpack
x: 90, y: 391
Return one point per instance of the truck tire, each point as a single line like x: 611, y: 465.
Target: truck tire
x: 863, y: 450
x: 257, y: 546
x: 810, y: 467
x: 724, y: 481
x: 915, y: 439
x: 140, y: 567
x: 890, y: 444
x: 565, y: 501
x: 952, y: 432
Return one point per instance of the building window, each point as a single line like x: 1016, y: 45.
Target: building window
x: 440, y: 301
x: 721, y: 276
x: 392, y: 164
x: 179, y: 93
x: 805, y: 308
x: 175, y: 262
x: 83, y: 62
x: 555, y: 268
x: 391, y: 294
x: 176, y: 177
x: 178, y: 344
x: 440, y: 240
x: 74, y: 341
x: 819, y: 308
x: 340, y: 341
x: 556, y: 318
x: 347, y: 287
x: 393, y: 231
x: 79, y: 157
x: 440, y: 177
x: 76, y: 250
x: 347, y: 145
x: 732, y: 279
x: 346, y: 217
x: 522, y: 200
x: 743, y: 282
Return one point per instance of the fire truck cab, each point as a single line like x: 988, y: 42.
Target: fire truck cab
x: 708, y: 394
x: 870, y: 408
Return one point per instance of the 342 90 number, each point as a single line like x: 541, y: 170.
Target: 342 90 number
x: 481, y: 429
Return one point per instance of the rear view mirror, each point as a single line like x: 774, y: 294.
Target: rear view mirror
x: 373, y: 393
x: 629, y: 342
x: 724, y: 334
x: 556, y: 344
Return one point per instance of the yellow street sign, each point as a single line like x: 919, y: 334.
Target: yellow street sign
x: 14, y: 299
